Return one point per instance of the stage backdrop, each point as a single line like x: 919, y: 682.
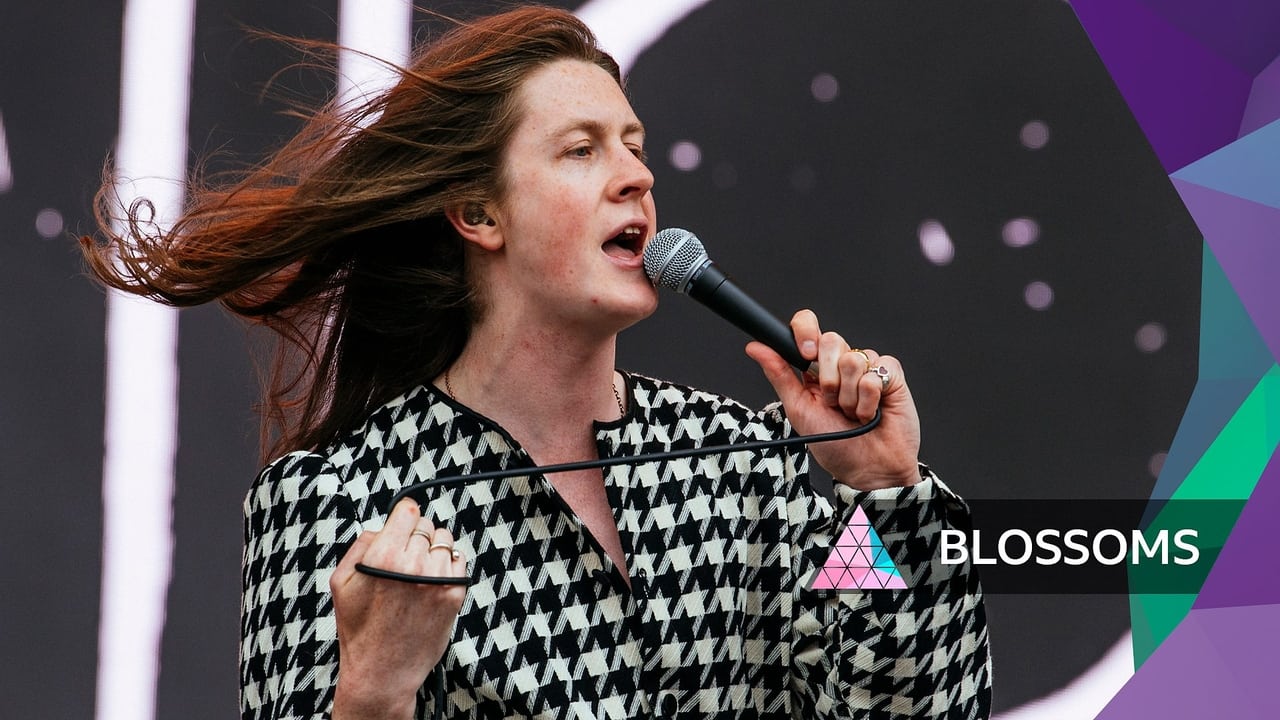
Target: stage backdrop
x: 962, y: 185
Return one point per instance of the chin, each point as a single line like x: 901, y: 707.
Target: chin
x: 637, y: 309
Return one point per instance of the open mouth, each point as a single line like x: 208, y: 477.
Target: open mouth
x: 626, y: 244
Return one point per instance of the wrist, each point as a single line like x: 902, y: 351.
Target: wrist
x: 866, y: 481
x: 350, y: 703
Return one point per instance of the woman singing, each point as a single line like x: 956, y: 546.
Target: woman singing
x: 452, y: 263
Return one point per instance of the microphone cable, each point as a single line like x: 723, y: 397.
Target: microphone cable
x: 592, y: 464
x: 404, y: 492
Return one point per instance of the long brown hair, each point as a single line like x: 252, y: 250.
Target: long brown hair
x: 339, y: 241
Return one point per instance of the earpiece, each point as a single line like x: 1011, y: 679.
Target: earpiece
x: 475, y: 215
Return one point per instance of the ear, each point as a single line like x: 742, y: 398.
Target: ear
x: 475, y: 225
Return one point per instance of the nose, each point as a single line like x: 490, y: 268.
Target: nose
x: 632, y: 178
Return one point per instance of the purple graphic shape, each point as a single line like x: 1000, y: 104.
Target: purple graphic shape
x: 1188, y: 100
x: 1246, y: 570
x: 1246, y: 33
x: 1264, y: 99
x: 1246, y: 168
x: 1218, y: 663
x: 1242, y: 235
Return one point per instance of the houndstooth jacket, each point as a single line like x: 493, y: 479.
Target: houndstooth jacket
x: 717, y: 622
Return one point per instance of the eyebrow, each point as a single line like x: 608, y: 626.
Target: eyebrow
x: 595, y: 127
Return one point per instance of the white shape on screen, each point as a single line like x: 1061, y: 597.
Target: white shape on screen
x: 6, y: 168
x: 1039, y: 295
x: 1020, y: 232
x: 824, y: 87
x: 1151, y: 337
x: 935, y: 243
x: 1034, y: 135
x: 685, y: 155
x: 49, y: 223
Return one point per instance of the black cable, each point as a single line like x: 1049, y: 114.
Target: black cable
x: 415, y: 579
x: 582, y: 465
x: 591, y: 464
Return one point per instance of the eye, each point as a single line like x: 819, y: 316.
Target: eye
x: 581, y: 151
x: 639, y: 152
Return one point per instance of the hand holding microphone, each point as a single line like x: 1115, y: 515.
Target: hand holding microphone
x: 840, y: 387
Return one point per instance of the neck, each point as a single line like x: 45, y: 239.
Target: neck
x: 545, y: 387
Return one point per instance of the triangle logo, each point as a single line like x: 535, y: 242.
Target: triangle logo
x: 858, y: 561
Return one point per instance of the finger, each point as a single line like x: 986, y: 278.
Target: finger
x: 777, y: 371
x: 853, y: 367
x: 421, y: 535
x: 876, y: 384
x: 895, y: 379
x: 440, y: 552
x: 400, y: 524
x: 830, y: 347
x: 448, y: 562
x: 804, y: 326
x: 346, y: 568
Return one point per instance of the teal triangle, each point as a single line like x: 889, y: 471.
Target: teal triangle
x: 1246, y: 168
x: 1230, y: 344
x: 882, y: 561
x: 1242, y: 235
x: 1233, y: 359
x: 879, y: 555
x: 1213, y: 404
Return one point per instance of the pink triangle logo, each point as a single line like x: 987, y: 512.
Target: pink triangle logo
x: 858, y: 561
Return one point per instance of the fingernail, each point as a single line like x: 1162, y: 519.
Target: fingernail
x: 808, y: 347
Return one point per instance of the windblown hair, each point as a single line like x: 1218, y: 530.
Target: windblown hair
x: 339, y: 241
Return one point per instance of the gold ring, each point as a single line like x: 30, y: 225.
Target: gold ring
x: 440, y: 546
x: 864, y: 354
x: 426, y: 535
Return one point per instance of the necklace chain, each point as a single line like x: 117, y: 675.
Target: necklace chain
x: 622, y: 409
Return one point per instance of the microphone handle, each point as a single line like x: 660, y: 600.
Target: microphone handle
x: 713, y: 288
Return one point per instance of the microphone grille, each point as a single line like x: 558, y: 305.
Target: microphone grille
x: 671, y: 258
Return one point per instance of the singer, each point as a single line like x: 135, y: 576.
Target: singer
x: 448, y: 268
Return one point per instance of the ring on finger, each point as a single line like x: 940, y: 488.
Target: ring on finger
x: 884, y: 374
x: 423, y: 533
x: 442, y: 546
x: 864, y: 354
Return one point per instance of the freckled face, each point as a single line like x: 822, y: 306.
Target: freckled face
x: 577, y: 207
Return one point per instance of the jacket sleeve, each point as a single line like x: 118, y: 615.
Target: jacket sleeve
x: 886, y: 654
x: 298, y: 524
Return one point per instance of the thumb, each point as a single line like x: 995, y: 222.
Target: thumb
x: 777, y: 371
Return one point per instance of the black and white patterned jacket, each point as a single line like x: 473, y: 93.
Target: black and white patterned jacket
x: 717, y: 622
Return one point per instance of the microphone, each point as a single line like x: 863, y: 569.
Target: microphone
x: 675, y: 259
